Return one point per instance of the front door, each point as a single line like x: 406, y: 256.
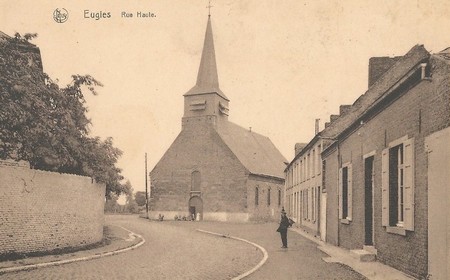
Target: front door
x: 368, y: 191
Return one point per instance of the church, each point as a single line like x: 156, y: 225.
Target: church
x: 215, y: 169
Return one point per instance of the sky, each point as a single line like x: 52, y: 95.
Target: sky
x: 282, y: 64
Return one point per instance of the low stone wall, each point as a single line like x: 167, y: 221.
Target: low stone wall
x: 44, y: 211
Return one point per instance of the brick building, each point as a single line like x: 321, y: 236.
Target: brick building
x: 215, y: 168
x: 379, y: 164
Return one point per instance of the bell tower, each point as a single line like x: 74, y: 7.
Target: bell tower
x: 205, y: 101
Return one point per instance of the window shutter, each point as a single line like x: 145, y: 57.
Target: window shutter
x: 385, y: 187
x: 340, y: 193
x: 349, y: 193
x: 408, y: 200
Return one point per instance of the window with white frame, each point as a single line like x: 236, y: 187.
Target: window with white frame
x: 345, y: 192
x: 313, y: 203
x: 398, y: 184
x: 319, y: 166
x: 279, y: 197
x: 313, y: 165
x: 301, y: 171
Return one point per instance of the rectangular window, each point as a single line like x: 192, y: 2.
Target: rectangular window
x: 279, y: 197
x: 313, y: 204
x: 398, y: 184
x: 308, y: 171
x: 305, y: 168
x: 256, y: 196
x: 319, y: 160
x: 301, y: 173
x: 345, y: 192
x: 307, y: 204
x: 268, y: 197
x: 313, y: 167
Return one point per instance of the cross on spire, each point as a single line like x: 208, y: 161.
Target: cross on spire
x: 209, y: 8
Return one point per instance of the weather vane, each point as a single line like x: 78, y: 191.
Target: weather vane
x: 209, y: 8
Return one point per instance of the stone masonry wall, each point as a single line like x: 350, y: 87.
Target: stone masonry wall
x: 223, y: 178
x: 263, y: 211
x: 43, y: 211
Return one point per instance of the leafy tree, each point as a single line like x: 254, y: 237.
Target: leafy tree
x: 140, y: 198
x: 47, y: 125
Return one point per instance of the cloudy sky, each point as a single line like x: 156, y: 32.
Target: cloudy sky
x: 281, y: 63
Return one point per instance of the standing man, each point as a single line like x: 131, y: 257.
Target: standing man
x: 284, y: 224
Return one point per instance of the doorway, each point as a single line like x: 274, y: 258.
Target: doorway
x: 368, y: 194
x: 196, y: 207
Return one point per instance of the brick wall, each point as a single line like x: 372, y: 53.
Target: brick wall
x: 263, y: 211
x: 44, y: 211
x: 223, y: 178
x: 419, y: 112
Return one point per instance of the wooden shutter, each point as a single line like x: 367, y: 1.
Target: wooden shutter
x: 349, y: 192
x: 385, y: 187
x: 408, y: 188
x: 340, y: 194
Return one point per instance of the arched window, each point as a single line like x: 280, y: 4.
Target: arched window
x: 279, y: 197
x: 256, y: 196
x: 196, y: 181
x: 268, y: 196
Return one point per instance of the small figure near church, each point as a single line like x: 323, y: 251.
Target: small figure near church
x: 284, y: 224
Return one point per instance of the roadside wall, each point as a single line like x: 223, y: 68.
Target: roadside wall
x: 43, y: 211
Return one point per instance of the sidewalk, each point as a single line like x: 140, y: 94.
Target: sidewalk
x: 115, y: 240
x: 372, y: 270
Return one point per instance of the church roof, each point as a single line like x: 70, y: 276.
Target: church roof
x: 256, y: 152
x: 207, y: 78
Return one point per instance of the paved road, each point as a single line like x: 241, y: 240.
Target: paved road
x: 174, y: 250
x: 302, y: 260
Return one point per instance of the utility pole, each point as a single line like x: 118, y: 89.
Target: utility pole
x: 146, y: 186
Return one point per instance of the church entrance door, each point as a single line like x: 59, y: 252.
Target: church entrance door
x: 196, y: 207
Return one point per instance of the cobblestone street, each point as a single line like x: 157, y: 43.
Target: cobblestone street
x: 175, y: 250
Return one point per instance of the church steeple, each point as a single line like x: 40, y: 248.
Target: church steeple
x: 207, y: 78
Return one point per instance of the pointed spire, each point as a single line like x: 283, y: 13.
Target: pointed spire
x: 207, y: 79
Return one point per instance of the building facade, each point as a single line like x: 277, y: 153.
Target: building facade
x: 378, y: 166
x: 305, y: 196
x: 215, y: 169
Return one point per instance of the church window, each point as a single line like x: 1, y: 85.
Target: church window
x: 196, y: 181
x: 256, y: 196
x: 268, y: 196
x: 279, y: 197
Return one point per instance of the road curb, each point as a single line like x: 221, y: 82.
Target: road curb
x: 61, y: 262
x: 261, y: 263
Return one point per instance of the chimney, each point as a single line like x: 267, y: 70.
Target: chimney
x: 343, y: 109
x: 378, y: 66
x: 299, y: 147
x: 333, y: 118
x: 316, y: 128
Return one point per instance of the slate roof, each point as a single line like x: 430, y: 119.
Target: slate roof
x: 207, y: 78
x: 256, y: 152
x: 377, y: 91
